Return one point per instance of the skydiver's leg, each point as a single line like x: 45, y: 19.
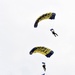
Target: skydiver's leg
x: 56, y: 34
x: 44, y: 67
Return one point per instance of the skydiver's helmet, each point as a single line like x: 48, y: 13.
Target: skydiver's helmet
x: 53, y: 16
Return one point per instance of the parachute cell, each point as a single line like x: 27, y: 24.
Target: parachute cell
x: 45, y: 16
x: 43, y: 50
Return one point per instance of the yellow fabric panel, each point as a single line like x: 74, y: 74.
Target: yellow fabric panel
x: 44, y: 16
x: 42, y: 50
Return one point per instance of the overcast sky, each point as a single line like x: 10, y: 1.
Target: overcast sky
x: 18, y: 36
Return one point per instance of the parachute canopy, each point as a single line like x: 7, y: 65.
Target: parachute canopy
x: 49, y: 15
x: 42, y: 50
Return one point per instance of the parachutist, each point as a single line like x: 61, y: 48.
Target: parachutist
x: 53, y: 32
x: 44, y: 66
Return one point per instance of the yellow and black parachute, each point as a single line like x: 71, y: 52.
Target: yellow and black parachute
x: 42, y: 50
x: 49, y: 15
